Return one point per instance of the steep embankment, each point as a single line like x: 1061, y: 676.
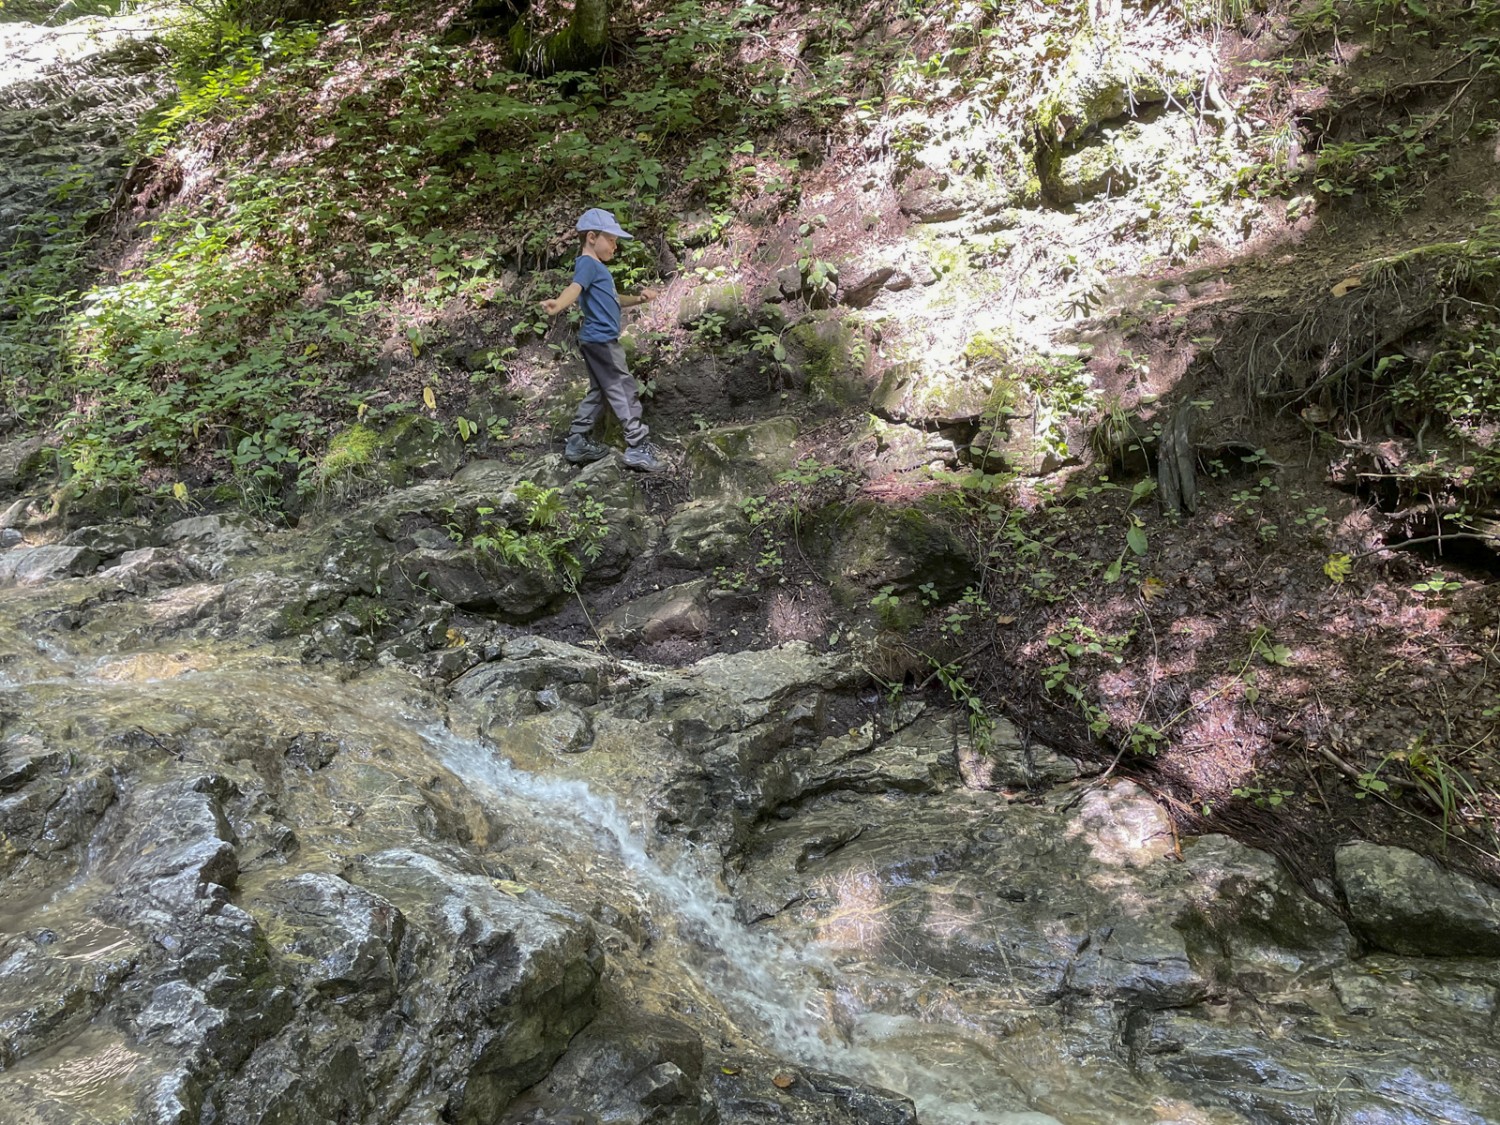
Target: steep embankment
x: 1004, y: 360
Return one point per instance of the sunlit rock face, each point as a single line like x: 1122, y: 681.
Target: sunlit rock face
x: 70, y: 99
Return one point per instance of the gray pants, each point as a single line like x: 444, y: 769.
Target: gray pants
x: 609, y: 382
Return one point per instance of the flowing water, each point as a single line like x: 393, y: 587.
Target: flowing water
x: 796, y: 997
x: 793, y: 997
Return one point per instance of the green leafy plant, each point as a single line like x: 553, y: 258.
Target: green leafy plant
x: 559, y: 532
x: 1263, y: 796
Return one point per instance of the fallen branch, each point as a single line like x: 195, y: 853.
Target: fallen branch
x: 1492, y: 540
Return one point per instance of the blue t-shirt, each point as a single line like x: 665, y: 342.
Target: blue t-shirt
x: 601, y: 306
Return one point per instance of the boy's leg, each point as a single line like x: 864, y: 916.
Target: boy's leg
x: 608, y: 373
x: 591, y: 409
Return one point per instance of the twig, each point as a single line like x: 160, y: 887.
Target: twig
x: 1491, y: 539
x: 970, y: 655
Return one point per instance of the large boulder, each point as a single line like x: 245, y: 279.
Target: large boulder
x: 520, y: 976
x: 704, y: 534
x: 1248, y: 910
x: 734, y: 462
x: 1405, y: 903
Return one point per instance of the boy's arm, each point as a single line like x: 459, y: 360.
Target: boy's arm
x: 563, y: 300
x: 644, y: 296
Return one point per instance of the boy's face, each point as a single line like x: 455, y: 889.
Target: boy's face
x: 603, y: 245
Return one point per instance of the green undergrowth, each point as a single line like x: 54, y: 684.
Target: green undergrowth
x: 369, y: 175
x: 376, y: 179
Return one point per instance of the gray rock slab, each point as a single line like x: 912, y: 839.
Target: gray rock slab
x: 34, y: 566
x: 1405, y: 903
x: 677, y: 611
x: 704, y: 534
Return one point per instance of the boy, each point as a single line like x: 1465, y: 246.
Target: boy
x: 610, y: 382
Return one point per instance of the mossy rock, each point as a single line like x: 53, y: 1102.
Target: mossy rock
x: 1087, y: 173
x: 1099, y: 82
x: 422, y: 448
x: 909, y: 392
x: 734, y: 462
x: 824, y: 351
x: 868, y: 546
x: 725, y: 299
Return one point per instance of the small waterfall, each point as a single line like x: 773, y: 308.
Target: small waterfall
x: 755, y: 973
x: 781, y: 991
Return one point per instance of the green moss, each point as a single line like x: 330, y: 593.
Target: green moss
x: 348, y: 453
x: 986, y: 347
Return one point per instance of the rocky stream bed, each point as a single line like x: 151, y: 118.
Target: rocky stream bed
x: 265, y: 863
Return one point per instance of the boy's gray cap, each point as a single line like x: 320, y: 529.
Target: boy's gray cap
x: 597, y: 218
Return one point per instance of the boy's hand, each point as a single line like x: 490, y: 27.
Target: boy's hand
x: 650, y: 294
x: 552, y: 306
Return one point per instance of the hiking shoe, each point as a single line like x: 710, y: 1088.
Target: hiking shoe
x: 644, y: 458
x: 579, y: 450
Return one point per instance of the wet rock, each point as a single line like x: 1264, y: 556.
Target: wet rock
x: 1005, y: 760
x: 625, y: 1066
x: 757, y: 682
x: 532, y: 674
x: 1415, y: 989
x: 523, y: 976
x: 180, y: 851
x: 306, y: 1078
x: 10, y: 537
x: 1313, y: 1073
x: 44, y: 822
x: 141, y: 570
x: 1405, y: 903
x: 109, y: 540
x: 34, y: 566
x: 752, y: 1090
x: 1254, y: 912
x: 562, y: 730
x: 678, y: 611
x: 704, y: 534
x: 919, y: 758
x: 55, y: 977
x: 211, y: 543
x: 24, y: 757
x: 344, y: 940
